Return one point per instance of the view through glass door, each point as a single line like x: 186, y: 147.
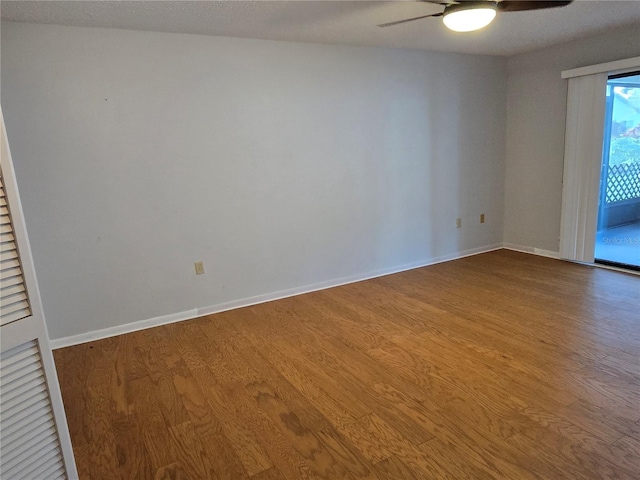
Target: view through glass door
x: 618, y: 235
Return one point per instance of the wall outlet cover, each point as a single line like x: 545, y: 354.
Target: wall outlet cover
x: 199, y: 268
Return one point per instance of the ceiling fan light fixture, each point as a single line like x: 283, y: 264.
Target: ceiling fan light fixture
x: 469, y: 16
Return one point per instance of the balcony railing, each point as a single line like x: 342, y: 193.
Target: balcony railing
x: 623, y: 182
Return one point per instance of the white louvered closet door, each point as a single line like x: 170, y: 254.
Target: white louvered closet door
x: 34, y: 439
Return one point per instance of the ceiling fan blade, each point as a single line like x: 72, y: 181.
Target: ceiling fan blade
x: 520, y: 6
x: 390, y: 24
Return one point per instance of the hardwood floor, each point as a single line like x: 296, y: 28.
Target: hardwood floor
x: 501, y: 365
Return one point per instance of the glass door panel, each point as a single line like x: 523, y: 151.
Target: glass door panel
x: 618, y: 235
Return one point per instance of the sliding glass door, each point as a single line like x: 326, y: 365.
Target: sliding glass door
x: 618, y: 233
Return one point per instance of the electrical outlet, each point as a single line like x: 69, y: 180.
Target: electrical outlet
x: 199, y: 268
x: 458, y: 222
x: 482, y: 218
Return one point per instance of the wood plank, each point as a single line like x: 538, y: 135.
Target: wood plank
x: 282, y: 453
x: 100, y: 436
x: 130, y: 451
x: 326, y: 455
x: 393, y: 469
x: 246, y: 447
x: 188, y: 448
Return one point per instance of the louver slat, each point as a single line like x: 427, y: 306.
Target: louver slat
x: 45, y: 465
x: 14, y: 289
x: 11, y: 265
x: 29, y: 444
x: 7, y: 246
x: 13, y: 276
x: 8, y: 255
x: 19, y: 430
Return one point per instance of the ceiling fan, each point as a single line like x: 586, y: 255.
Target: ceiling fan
x: 469, y: 15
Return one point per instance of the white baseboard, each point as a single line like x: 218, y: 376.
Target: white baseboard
x: 533, y: 250
x: 246, y: 302
x: 291, y: 292
x: 122, y: 329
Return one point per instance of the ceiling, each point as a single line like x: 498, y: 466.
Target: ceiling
x: 336, y: 22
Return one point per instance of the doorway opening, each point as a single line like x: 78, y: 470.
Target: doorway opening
x: 618, y: 232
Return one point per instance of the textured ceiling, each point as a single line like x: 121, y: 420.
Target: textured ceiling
x: 336, y: 22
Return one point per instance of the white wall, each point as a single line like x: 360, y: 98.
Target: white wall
x: 279, y: 165
x: 536, y: 111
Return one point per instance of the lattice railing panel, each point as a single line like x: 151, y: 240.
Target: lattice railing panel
x: 623, y: 182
